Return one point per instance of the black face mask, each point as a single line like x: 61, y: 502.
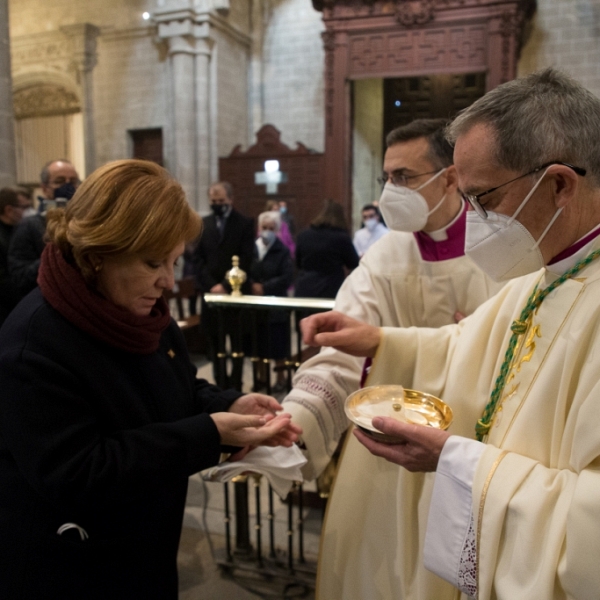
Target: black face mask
x: 218, y: 209
x: 66, y: 191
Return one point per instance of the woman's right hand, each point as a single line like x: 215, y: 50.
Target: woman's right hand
x: 255, y: 430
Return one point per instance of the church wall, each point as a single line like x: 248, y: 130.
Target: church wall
x: 239, y: 14
x: 30, y: 17
x: 293, y: 73
x: 131, y: 92
x: 367, y: 152
x: 132, y: 78
x: 232, y: 63
x: 565, y: 34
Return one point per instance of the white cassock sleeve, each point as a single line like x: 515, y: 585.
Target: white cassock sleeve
x: 450, y: 546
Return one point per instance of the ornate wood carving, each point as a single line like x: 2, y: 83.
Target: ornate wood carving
x: 426, y: 50
x: 44, y: 101
x: 418, y: 12
x: 409, y: 38
x: 302, y: 190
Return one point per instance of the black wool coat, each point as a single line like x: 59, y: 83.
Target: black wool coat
x: 212, y: 256
x: 275, y: 271
x: 25, y: 252
x: 321, y: 255
x: 103, y: 438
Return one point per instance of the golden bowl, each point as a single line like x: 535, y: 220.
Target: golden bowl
x: 419, y: 408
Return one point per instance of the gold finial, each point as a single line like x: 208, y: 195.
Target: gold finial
x: 236, y: 276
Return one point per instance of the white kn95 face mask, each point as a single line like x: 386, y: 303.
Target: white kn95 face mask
x: 501, y: 246
x: 404, y: 209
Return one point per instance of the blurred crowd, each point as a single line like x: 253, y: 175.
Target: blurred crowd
x: 278, y: 260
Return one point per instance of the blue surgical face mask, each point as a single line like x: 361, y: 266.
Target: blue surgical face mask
x: 268, y: 236
x: 371, y: 224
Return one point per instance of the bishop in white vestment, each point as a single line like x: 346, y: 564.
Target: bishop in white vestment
x: 504, y: 505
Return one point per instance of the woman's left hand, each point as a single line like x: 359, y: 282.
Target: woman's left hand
x: 261, y: 404
x: 256, y: 404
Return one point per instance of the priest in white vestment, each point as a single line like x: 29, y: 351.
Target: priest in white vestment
x: 505, y: 504
x: 416, y: 275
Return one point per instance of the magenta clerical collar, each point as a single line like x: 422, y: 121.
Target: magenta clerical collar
x: 452, y: 247
x: 576, y: 246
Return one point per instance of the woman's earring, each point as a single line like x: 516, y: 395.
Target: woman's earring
x: 98, y: 268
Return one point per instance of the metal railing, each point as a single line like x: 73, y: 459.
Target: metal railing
x: 237, y: 316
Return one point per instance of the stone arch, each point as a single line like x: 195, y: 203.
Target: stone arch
x: 45, y: 93
x: 48, y: 110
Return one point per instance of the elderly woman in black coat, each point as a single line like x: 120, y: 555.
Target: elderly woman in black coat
x: 102, y: 419
x: 272, y: 274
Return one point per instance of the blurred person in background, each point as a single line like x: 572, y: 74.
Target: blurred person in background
x: 372, y: 229
x: 227, y: 233
x: 14, y: 202
x: 284, y: 233
x: 59, y: 180
x: 272, y: 274
x: 324, y: 254
x: 287, y: 217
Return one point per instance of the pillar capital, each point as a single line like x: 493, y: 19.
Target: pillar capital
x: 184, y: 31
x: 83, y: 37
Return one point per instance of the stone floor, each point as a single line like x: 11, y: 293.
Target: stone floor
x: 203, y: 541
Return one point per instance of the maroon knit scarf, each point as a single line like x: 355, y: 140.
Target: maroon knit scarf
x: 65, y: 290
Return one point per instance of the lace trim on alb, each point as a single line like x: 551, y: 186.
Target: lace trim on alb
x: 467, y: 570
x: 322, y: 389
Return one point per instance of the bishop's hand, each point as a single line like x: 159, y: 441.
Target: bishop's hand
x: 342, y: 333
x: 418, y: 447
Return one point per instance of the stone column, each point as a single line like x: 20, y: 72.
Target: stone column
x: 181, y: 55
x: 259, y: 19
x: 8, y: 164
x: 84, y: 37
x: 177, y: 29
x: 204, y: 46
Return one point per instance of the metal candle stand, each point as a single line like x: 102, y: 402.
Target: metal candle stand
x: 285, y: 566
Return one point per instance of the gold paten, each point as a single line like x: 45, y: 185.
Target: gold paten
x: 419, y: 408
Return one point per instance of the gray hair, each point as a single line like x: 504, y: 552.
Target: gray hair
x: 225, y: 185
x: 45, y: 174
x: 270, y: 215
x: 540, y: 118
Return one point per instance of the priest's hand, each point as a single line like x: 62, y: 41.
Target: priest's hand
x: 342, y: 333
x: 418, y: 447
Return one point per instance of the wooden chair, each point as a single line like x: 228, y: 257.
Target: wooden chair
x: 189, y: 324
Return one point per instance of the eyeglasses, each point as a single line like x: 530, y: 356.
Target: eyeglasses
x: 399, y: 179
x: 474, y: 199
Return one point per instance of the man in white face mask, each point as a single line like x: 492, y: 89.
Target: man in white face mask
x: 416, y: 275
x: 508, y: 495
x: 371, y: 231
